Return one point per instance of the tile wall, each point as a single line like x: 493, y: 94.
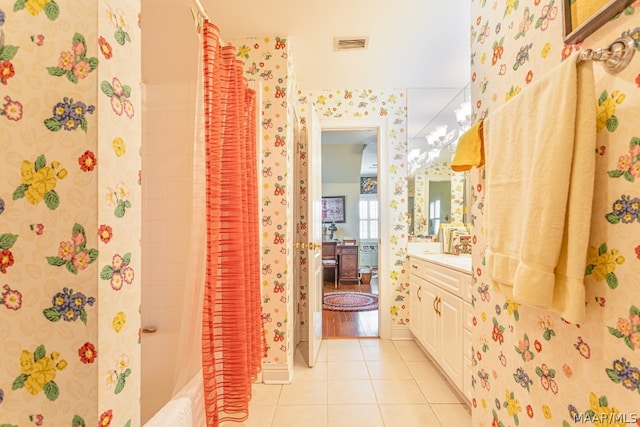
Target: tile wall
x: 168, y: 129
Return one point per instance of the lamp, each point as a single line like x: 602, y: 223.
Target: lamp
x: 438, y: 138
x: 463, y: 115
x: 332, y: 229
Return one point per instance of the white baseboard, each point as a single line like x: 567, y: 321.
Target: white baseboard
x: 277, y: 374
x: 401, y: 333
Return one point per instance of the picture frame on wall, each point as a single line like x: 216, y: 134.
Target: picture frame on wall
x: 368, y: 185
x: 333, y: 209
x: 584, y: 17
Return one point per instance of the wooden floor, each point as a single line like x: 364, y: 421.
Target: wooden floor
x: 350, y: 324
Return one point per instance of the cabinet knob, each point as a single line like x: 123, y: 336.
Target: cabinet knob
x: 414, y: 266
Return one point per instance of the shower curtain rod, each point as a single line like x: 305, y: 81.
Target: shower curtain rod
x: 615, y: 57
x: 201, y: 8
x: 199, y: 14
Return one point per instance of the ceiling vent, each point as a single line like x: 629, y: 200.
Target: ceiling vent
x: 350, y: 43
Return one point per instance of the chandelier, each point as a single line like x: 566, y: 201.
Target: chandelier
x: 445, y: 130
x: 463, y: 115
x: 440, y: 138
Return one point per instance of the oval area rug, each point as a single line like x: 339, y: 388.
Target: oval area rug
x: 350, y: 301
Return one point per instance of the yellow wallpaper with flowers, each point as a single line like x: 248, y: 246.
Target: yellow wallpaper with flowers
x: 530, y: 367
x: 69, y: 213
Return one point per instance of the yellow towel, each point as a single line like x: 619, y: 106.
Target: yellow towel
x: 470, y: 150
x: 540, y: 171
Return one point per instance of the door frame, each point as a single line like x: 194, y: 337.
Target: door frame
x: 381, y: 125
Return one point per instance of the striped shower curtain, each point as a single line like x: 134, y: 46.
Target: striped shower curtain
x: 233, y: 343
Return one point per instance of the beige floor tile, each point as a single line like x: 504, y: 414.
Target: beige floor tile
x: 350, y: 392
x: 398, y: 391
x: 346, y: 343
x: 322, y: 353
x: 438, y: 391
x: 298, y: 357
x: 352, y: 375
x: 409, y: 416
x: 354, y: 416
x: 405, y: 343
x: 412, y: 353
x: 259, y: 416
x: 265, y: 394
x: 376, y: 343
x: 452, y: 414
x: 304, y: 392
x: 347, y: 370
x: 385, y: 370
x: 386, y: 353
x: 318, y: 372
x: 424, y: 370
x: 344, y: 354
x: 297, y: 416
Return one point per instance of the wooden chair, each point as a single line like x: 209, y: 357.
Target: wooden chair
x: 349, y: 241
x: 330, y: 260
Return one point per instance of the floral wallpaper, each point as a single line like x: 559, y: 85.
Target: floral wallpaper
x: 69, y: 213
x: 267, y: 61
x: 392, y: 104
x: 530, y: 367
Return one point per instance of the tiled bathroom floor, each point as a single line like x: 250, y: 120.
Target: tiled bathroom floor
x: 360, y: 383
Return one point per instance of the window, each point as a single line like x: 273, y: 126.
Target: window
x: 368, y: 217
x: 434, y: 216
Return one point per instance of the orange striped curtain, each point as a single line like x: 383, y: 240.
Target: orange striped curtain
x: 233, y: 342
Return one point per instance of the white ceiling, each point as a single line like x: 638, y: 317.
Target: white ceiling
x: 364, y: 151
x: 422, y: 46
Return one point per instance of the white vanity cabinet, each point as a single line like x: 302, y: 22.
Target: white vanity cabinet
x: 440, y: 314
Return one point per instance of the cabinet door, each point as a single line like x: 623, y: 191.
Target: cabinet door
x: 430, y: 319
x: 450, y: 334
x: 349, y: 264
x: 467, y: 388
x: 416, y: 295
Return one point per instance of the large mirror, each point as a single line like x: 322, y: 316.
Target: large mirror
x: 436, y: 194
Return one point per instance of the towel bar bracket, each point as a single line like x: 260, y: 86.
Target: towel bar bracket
x: 615, y: 58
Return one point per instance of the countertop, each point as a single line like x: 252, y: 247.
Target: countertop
x: 461, y: 263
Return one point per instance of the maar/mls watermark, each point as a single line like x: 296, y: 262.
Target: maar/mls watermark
x: 607, y: 418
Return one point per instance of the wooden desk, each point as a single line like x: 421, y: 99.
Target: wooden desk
x: 347, y: 263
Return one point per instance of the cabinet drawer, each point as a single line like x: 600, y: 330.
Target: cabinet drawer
x: 348, y: 250
x: 467, y: 283
x: 446, y: 278
x: 467, y: 316
x: 418, y: 267
x: 349, y: 262
x: 467, y: 344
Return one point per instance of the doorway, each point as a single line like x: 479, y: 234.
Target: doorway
x: 350, y: 176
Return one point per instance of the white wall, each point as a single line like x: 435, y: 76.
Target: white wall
x: 351, y: 191
x: 168, y: 128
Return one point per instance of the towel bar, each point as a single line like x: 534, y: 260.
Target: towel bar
x: 615, y: 58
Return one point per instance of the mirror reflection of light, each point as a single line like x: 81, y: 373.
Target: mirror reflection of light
x: 434, y: 153
x: 463, y: 115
